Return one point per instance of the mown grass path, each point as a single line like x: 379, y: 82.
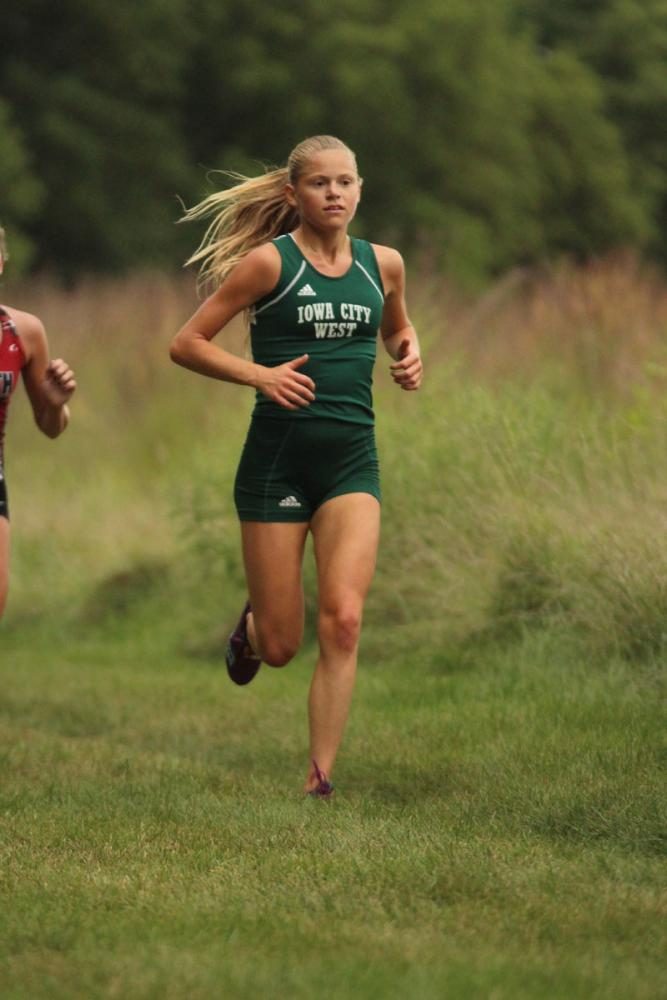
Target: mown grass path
x: 497, y: 829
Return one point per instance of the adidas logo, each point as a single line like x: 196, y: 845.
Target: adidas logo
x: 306, y: 290
x: 289, y: 501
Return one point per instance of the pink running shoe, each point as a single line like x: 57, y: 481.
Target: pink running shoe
x: 323, y: 789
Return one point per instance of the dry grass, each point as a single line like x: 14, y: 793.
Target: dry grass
x: 524, y: 483
x: 602, y: 326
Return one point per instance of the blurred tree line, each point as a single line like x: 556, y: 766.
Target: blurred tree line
x: 488, y: 133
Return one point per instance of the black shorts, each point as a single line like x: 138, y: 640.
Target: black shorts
x: 289, y: 468
x: 4, y: 499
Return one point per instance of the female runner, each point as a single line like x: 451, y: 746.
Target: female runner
x: 279, y: 248
x: 49, y: 384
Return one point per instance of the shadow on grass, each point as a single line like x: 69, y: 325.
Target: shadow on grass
x: 586, y: 820
x: 401, y: 784
x: 124, y: 592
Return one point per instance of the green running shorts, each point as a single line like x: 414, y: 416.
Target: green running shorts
x: 289, y: 468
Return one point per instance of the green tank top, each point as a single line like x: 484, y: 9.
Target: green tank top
x: 333, y: 320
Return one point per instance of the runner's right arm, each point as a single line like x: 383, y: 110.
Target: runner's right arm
x: 252, y: 278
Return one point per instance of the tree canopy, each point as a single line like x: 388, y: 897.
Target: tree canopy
x: 488, y: 134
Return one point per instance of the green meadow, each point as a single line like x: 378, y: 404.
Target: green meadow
x: 498, y: 829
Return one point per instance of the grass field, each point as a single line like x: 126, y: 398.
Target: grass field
x: 499, y: 825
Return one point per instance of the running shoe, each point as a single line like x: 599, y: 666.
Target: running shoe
x: 323, y: 789
x: 242, y: 662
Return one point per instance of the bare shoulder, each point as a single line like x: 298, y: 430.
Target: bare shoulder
x: 391, y: 266
x: 29, y: 328
x: 264, y: 261
x: 25, y: 322
x: 388, y: 256
x: 253, y: 277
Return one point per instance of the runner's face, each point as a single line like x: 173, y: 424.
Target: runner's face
x: 327, y: 193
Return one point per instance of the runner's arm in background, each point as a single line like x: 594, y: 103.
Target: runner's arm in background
x: 49, y: 384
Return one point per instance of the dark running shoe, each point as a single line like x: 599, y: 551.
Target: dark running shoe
x: 323, y: 789
x: 242, y: 663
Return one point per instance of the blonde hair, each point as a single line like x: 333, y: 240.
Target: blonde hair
x: 251, y: 212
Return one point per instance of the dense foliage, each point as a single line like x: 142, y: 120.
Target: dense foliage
x: 488, y: 134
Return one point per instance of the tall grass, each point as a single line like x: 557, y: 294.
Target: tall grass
x: 599, y: 327
x: 524, y: 485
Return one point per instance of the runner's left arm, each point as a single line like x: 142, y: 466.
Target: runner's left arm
x: 49, y: 384
x: 398, y: 334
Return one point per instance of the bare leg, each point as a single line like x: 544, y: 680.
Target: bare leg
x: 4, y: 562
x: 346, y: 532
x: 273, y: 556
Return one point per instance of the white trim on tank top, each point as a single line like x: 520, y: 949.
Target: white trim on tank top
x: 354, y: 259
x: 362, y: 268
x: 284, y: 292
x: 296, y: 277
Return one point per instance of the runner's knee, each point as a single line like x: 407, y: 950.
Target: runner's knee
x: 278, y: 653
x: 276, y: 647
x: 340, y: 625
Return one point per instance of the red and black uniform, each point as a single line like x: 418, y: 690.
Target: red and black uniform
x: 12, y: 360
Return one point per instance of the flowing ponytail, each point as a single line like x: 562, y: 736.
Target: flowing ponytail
x: 251, y: 212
